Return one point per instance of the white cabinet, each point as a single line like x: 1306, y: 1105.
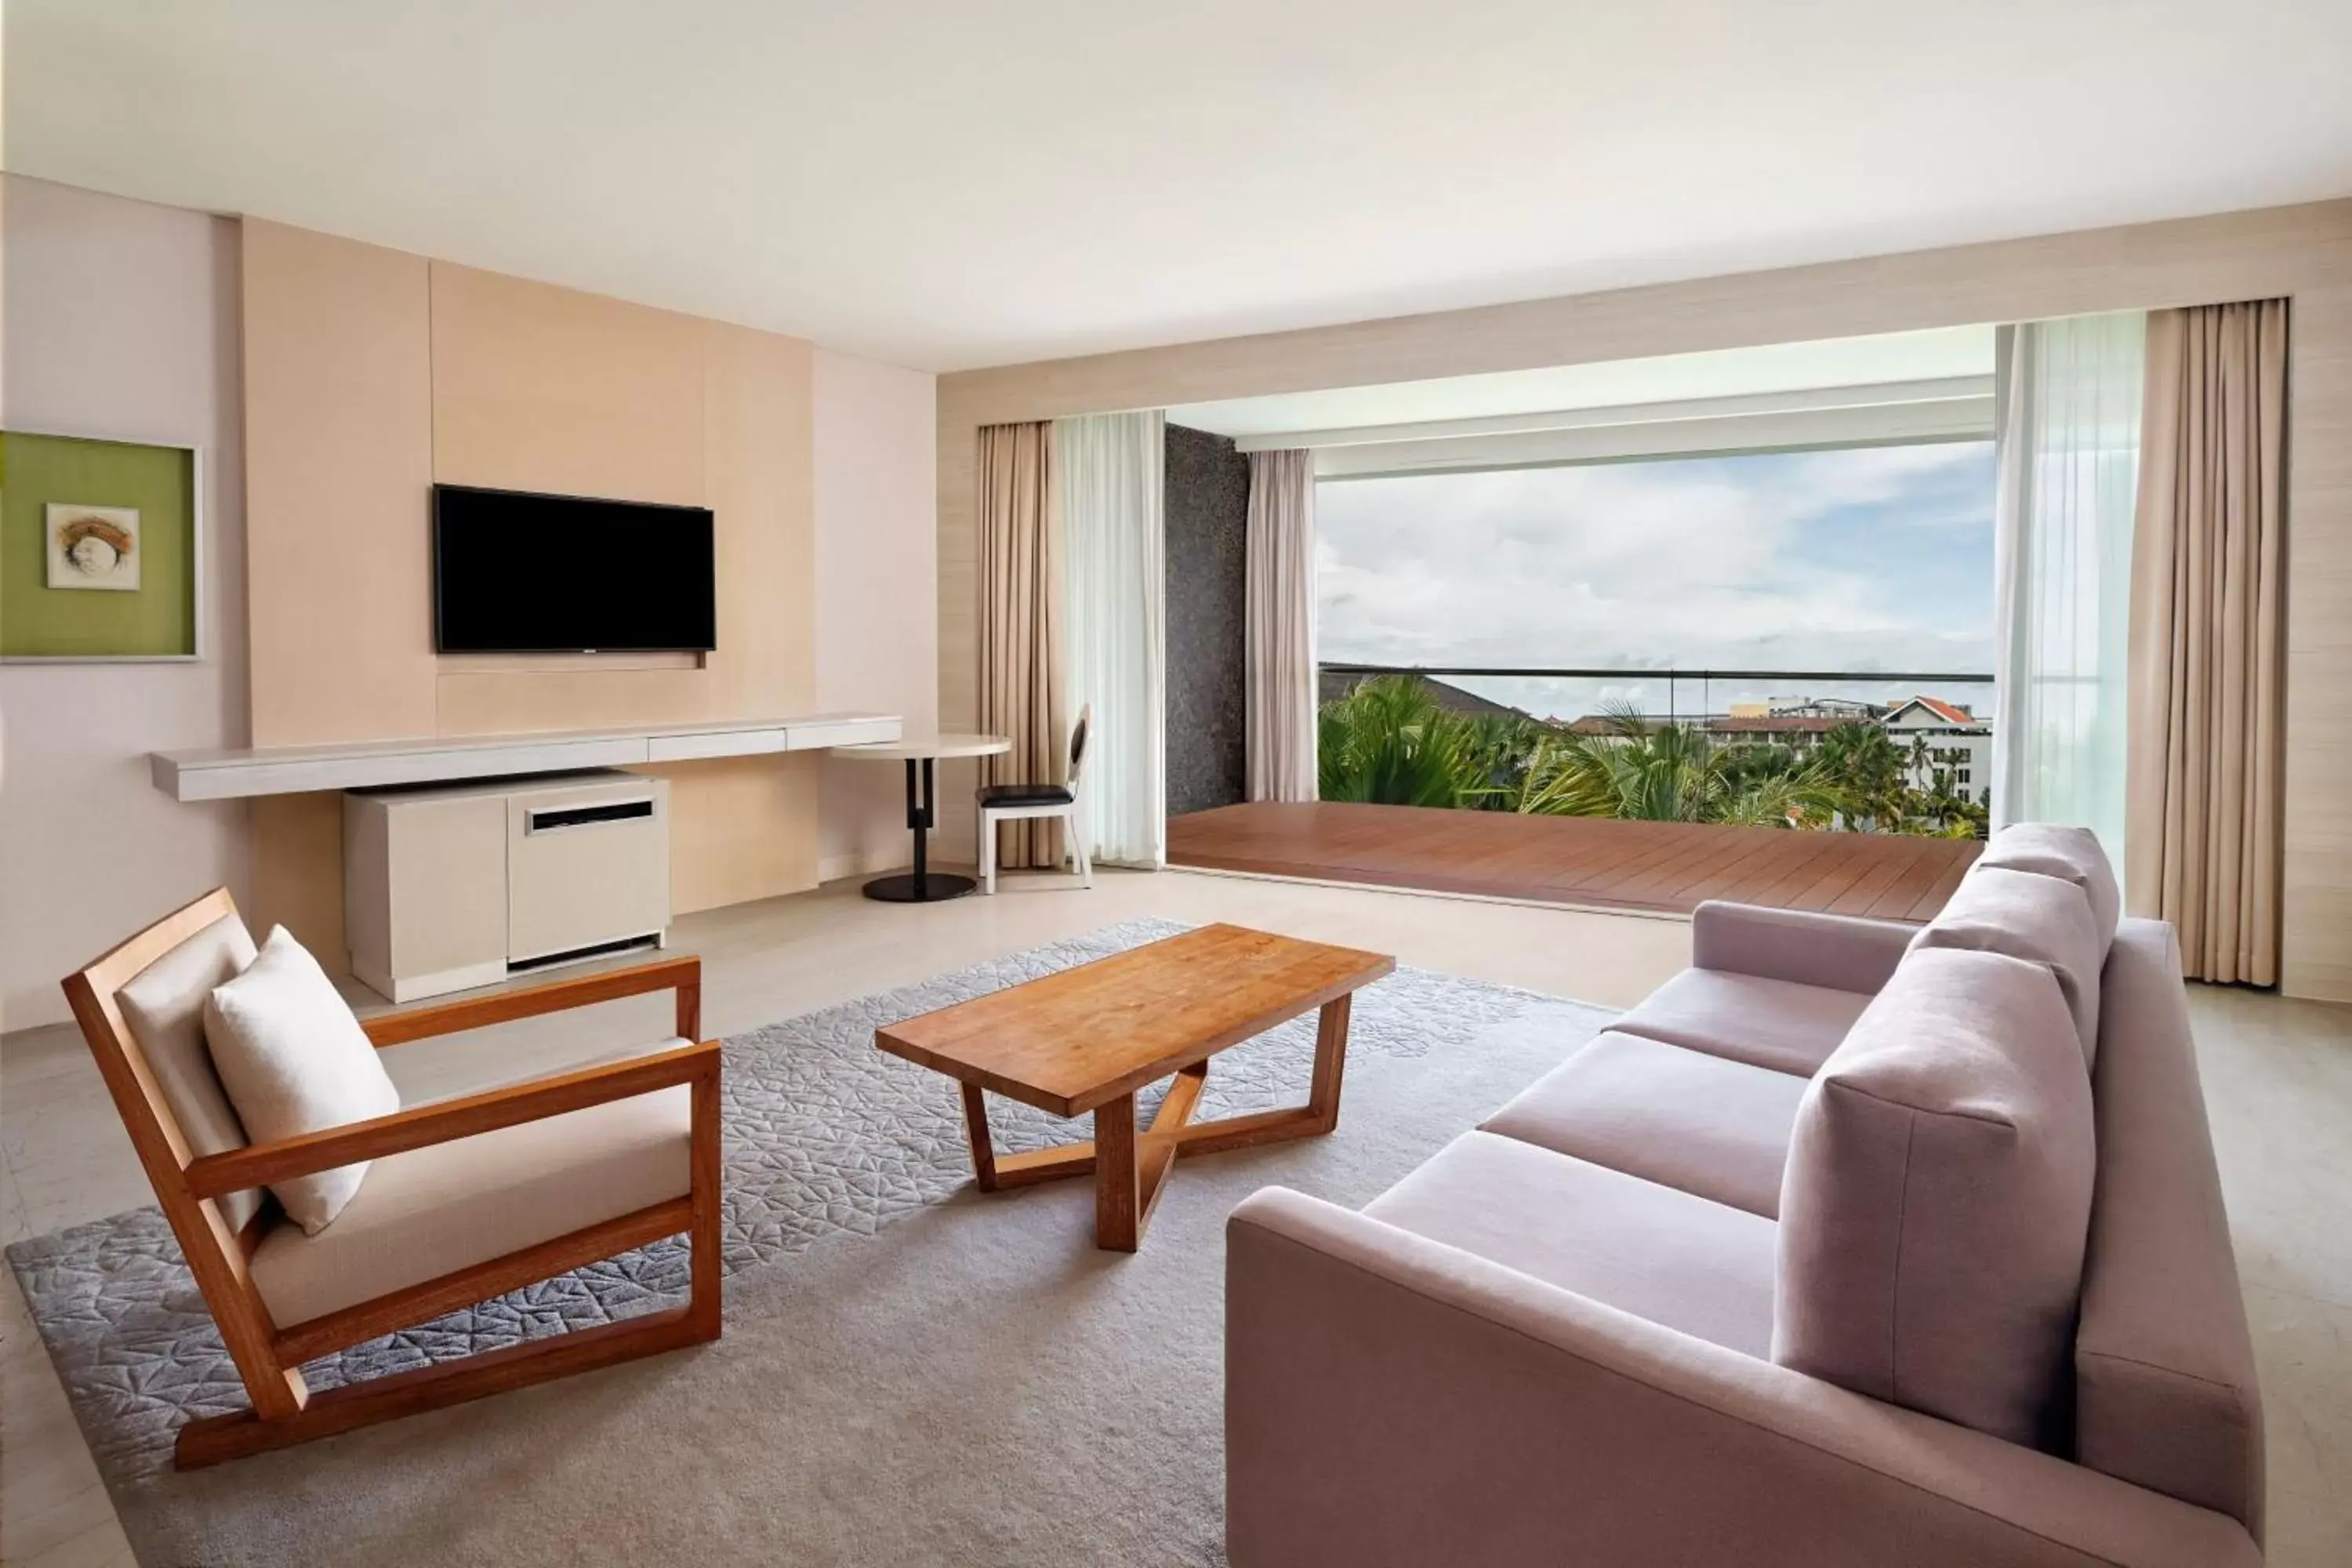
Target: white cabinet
x: 457, y: 885
x: 587, y: 866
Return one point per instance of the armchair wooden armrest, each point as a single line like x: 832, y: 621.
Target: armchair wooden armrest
x: 259, y: 1164
x: 682, y: 974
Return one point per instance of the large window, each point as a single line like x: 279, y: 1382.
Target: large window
x: 1748, y: 600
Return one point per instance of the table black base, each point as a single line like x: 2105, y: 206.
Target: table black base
x: 936, y: 887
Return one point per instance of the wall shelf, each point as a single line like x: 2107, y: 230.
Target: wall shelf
x: 368, y: 764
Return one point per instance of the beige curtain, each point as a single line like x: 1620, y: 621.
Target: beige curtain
x: 2208, y: 611
x: 1021, y: 626
x: 1279, y: 679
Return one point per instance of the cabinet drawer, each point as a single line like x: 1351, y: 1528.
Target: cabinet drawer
x: 586, y: 866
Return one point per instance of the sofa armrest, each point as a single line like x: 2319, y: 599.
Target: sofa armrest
x: 1393, y: 1399
x: 1841, y: 951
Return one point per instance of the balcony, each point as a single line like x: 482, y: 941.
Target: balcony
x: 1808, y: 857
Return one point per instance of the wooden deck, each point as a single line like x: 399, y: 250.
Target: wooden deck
x: 1671, y: 866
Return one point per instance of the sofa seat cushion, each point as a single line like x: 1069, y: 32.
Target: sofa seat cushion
x: 1707, y: 1125
x: 1775, y: 1024
x: 448, y: 1206
x: 1702, y: 1268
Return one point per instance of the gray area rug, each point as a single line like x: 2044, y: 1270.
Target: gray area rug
x: 912, y: 1372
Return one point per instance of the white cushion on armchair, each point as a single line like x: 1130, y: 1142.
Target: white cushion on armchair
x: 294, y: 1060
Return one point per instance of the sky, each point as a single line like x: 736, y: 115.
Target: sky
x: 1877, y: 558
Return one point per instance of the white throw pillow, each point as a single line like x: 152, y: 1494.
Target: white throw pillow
x: 295, y: 1060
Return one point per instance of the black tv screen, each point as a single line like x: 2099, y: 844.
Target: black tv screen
x: 515, y: 573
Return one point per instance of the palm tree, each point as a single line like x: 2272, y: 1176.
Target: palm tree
x: 1388, y: 742
x: 1496, y: 750
x: 1672, y: 773
x: 1864, y: 765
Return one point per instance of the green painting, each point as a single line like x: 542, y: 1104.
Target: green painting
x: 98, y: 549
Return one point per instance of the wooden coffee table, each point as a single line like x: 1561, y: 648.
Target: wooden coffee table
x: 1088, y: 1039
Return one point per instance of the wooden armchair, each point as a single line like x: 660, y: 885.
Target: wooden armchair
x: 647, y: 1149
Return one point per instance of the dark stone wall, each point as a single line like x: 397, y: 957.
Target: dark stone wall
x: 1207, y: 581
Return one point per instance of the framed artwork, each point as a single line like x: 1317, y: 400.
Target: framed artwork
x: 101, y: 550
x: 93, y: 547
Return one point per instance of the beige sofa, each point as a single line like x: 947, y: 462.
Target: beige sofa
x: 1850, y: 1245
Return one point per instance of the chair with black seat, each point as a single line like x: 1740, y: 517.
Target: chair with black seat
x: 1015, y: 803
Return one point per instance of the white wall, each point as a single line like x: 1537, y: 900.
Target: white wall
x: 121, y: 319
x: 877, y: 437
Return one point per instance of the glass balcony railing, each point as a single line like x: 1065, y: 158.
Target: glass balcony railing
x: 1888, y: 750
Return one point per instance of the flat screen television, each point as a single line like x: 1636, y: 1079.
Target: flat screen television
x: 516, y: 573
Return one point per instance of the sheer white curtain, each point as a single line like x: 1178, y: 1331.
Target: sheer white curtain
x: 2069, y: 395
x: 1113, y: 505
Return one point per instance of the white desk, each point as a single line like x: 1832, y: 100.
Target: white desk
x: 920, y: 752
x: 437, y: 759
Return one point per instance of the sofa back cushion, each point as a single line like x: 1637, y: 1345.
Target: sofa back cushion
x: 1937, y: 1194
x: 2164, y: 1366
x: 2071, y: 855
x: 163, y: 1004
x: 2042, y: 919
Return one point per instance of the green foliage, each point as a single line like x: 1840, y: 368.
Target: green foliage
x: 1673, y: 773
x: 1388, y: 742
x: 1865, y: 766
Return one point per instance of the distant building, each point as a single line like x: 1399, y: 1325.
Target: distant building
x: 1936, y: 736
x: 1958, y: 744
x: 1796, y: 730
x: 1838, y: 708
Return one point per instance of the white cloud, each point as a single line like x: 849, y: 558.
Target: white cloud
x: 1725, y: 565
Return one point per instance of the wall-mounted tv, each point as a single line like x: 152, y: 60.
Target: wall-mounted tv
x: 516, y: 573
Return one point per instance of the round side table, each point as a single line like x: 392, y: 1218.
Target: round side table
x: 923, y: 886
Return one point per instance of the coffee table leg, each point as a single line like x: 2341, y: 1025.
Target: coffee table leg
x: 975, y: 1128
x: 1330, y: 1061
x: 1131, y: 1168
x: 1117, y: 1207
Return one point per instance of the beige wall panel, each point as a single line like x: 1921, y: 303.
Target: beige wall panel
x: 372, y: 374
x: 741, y: 828
x: 2304, y: 252
x: 877, y: 603
x: 339, y: 470
x: 518, y: 701
x: 2316, y: 904
x: 958, y: 554
x: 541, y: 388
x: 298, y: 873
x: 760, y: 470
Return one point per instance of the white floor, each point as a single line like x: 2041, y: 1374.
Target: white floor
x: 2278, y: 1076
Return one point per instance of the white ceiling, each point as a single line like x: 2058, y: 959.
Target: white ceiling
x: 947, y: 183
x: 1671, y: 378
